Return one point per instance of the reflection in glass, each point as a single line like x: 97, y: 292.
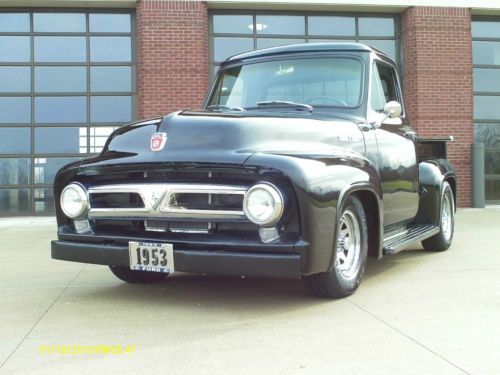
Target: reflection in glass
x: 110, y: 49
x: 14, y: 22
x: 492, y: 162
x: 44, y: 200
x: 98, y: 137
x: 489, y: 134
x: 60, y: 49
x: 15, y: 140
x: 487, y: 107
x: 492, y: 187
x: 110, y: 109
x: 486, y: 80
x: 233, y: 24
x: 15, y: 79
x: 487, y: 53
x: 61, y: 109
x: 15, y: 171
x: 46, y: 52
x: 15, y: 110
x: 110, y: 78
x: 109, y: 23
x: 46, y: 168
x: 225, y: 47
x: 14, y: 48
x: 276, y: 42
x: 280, y: 25
x: 15, y: 200
x: 328, y: 40
x: 386, y: 46
x: 60, y: 140
x: 322, y: 80
x: 60, y: 79
x: 59, y: 22
x: 338, y: 26
x: 485, y: 29
x: 370, y: 26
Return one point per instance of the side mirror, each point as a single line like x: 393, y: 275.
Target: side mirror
x: 392, y: 109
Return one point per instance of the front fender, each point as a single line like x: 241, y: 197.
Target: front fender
x: 320, y: 186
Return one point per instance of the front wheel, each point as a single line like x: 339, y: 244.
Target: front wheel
x: 442, y: 240
x: 349, y: 255
x: 137, y: 277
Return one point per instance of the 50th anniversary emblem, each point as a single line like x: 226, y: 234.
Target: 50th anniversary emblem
x: 158, y: 141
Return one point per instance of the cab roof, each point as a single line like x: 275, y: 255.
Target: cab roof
x: 307, y: 47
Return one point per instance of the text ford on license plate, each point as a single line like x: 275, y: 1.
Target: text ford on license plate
x: 151, y: 257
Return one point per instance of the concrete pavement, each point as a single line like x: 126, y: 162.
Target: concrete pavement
x: 415, y: 313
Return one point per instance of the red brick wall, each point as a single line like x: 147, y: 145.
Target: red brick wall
x: 437, y: 71
x: 172, y: 53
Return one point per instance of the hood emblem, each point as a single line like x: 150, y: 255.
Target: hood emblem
x: 158, y: 141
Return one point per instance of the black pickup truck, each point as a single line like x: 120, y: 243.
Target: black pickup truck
x: 300, y: 165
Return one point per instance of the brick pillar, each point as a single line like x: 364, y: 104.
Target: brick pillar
x: 437, y: 81
x: 172, y: 52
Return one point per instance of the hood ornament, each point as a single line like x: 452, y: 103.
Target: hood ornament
x: 158, y: 141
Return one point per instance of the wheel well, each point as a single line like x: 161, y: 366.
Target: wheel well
x: 453, y: 185
x: 369, y: 201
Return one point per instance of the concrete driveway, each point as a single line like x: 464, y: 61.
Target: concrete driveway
x: 415, y: 313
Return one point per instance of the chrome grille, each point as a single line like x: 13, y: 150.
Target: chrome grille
x: 169, y: 201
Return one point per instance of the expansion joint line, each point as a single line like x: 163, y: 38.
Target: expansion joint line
x: 407, y: 336
x: 42, y: 316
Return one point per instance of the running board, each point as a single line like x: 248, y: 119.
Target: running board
x: 414, y: 233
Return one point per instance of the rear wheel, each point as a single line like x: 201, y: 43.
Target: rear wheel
x: 137, y: 277
x: 349, y: 255
x: 442, y: 240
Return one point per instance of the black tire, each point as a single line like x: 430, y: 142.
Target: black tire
x: 442, y: 240
x: 137, y: 277
x: 345, y: 276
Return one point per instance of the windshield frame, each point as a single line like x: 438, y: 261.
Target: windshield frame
x: 296, y: 56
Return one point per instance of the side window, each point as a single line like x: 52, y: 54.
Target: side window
x: 384, y: 86
x: 377, y: 95
x: 230, y: 90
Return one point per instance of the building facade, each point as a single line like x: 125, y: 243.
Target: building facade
x: 72, y: 71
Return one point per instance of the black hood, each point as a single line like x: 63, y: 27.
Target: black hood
x: 205, y: 137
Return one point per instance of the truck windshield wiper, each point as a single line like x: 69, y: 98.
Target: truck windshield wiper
x: 282, y: 104
x: 218, y: 107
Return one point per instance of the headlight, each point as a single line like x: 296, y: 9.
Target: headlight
x: 74, y: 200
x: 263, y: 204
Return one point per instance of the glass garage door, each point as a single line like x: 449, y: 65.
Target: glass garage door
x: 486, y: 59
x: 236, y: 32
x: 66, y: 81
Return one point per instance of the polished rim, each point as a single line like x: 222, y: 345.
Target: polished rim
x: 348, y: 245
x: 447, y: 217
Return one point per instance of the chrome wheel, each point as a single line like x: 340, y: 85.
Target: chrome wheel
x: 447, y: 217
x: 348, y: 245
x: 442, y: 240
x: 349, y: 254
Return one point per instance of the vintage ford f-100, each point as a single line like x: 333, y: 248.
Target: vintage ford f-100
x: 300, y: 165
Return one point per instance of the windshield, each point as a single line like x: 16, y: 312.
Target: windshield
x: 322, y: 81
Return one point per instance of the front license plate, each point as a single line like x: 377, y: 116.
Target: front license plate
x: 151, y: 257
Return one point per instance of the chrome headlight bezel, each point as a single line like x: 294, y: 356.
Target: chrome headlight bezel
x: 277, y: 199
x: 82, y: 193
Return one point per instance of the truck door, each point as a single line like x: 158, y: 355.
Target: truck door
x: 397, y: 159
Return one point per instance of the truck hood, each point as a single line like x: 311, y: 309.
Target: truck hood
x: 204, y: 137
